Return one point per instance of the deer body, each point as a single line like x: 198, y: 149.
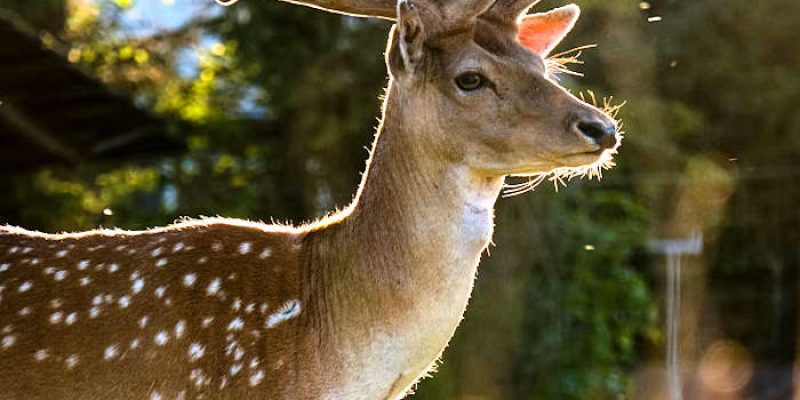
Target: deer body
x: 232, y: 309
x: 355, y: 306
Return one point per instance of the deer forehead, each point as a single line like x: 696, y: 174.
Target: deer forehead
x: 486, y: 46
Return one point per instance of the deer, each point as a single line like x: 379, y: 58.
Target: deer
x: 358, y: 304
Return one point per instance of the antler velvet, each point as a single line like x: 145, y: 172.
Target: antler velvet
x: 385, y: 9
x: 509, y: 10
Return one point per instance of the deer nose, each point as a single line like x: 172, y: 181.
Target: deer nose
x: 602, y: 133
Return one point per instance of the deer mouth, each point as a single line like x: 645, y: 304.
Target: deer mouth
x: 591, y: 154
x: 597, y: 153
x: 588, y: 159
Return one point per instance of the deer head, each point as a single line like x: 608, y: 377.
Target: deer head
x: 474, y: 75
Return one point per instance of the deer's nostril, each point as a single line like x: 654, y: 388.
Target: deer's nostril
x: 602, y: 134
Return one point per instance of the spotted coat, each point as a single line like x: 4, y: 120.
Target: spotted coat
x: 177, y: 313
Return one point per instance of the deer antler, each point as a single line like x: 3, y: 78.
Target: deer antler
x: 385, y: 9
x: 510, y: 10
x: 465, y: 9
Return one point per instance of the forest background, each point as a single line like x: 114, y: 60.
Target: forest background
x: 275, y: 104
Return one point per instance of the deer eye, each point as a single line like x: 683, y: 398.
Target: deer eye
x: 470, y: 81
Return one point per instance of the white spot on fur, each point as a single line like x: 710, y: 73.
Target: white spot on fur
x: 213, y: 287
x: 189, y: 279
x: 41, y: 355
x: 135, y: 343
x: 180, y: 329
x: 156, y: 252
x: 178, y: 247
x: 56, y: 303
x: 4, y: 267
x: 161, y: 338
x: 161, y: 262
x: 216, y: 246
x: 256, y: 378
x: 245, y: 247
x: 111, y: 352
x: 60, y: 275
x: 72, y: 361
x: 196, y: 351
x: 83, y: 264
x: 143, y: 321
x: 71, y: 318
x: 203, y: 260
x: 287, y: 311
x: 207, y: 321
x: 160, y: 291
x: 238, y: 353
x: 198, y: 377
x: 265, y: 253
x: 155, y: 396
x: 62, y: 253
x: 25, y: 286
x: 113, y: 268
x: 137, y: 286
x: 85, y: 281
x: 236, y: 324
x: 235, y: 368
x: 24, y: 311
x: 8, y: 341
x: 56, y: 317
x: 94, y: 312
x: 124, y: 301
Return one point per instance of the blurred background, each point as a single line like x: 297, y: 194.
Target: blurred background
x: 132, y: 113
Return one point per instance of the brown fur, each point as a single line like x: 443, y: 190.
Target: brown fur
x: 356, y: 306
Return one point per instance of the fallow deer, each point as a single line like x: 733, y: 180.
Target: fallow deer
x: 357, y: 305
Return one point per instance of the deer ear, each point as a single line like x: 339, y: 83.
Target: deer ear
x: 411, y: 35
x: 542, y: 32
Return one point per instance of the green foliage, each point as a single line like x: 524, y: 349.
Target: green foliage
x: 589, y: 301
x: 69, y: 204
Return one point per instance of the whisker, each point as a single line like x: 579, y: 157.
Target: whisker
x: 559, y: 63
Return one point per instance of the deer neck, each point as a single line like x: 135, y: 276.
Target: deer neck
x: 401, y: 264
x: 426, y: 214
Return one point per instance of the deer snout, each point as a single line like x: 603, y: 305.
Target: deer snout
x: 602, y: 133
